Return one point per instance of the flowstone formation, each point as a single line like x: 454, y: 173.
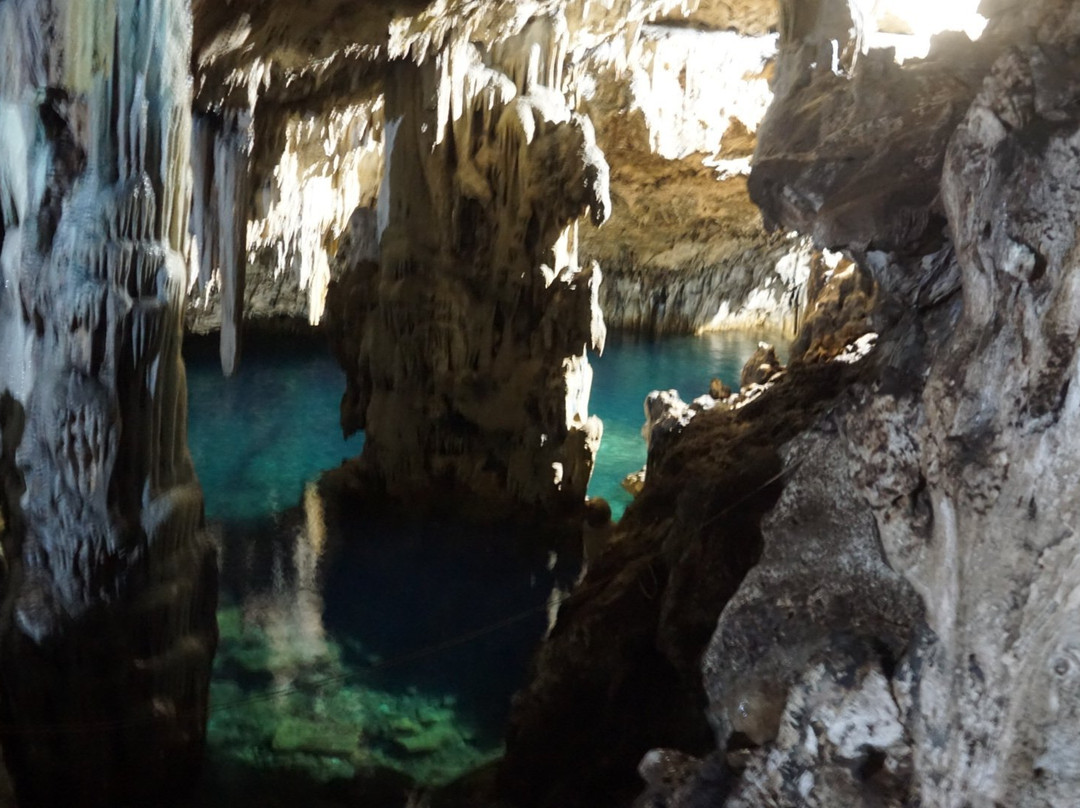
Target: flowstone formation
x: 465, y: 345
x: 676, y: 112
x: 879, y: 604
x: 107, y: 627
x: 274, y: 194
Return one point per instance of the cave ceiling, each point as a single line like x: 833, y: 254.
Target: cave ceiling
x: 310, y: 53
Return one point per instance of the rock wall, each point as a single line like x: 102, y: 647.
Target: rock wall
x: 623, y: 663
x: 676, y: 114
x: 997, y: 567
x: 107, y: 628
x: 465, y: 346
x: 900, y: 629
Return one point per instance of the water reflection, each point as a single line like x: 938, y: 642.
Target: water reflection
x: 290, y: 613
x: 349, y: 647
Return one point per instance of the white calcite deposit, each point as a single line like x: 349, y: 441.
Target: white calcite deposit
x: 108, y: 588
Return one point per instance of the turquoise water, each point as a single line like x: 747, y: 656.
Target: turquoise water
x: 258, y: 437
x: 632, y: 367
x: 354, y: 653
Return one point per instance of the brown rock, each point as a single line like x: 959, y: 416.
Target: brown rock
x: 719, y: 390
x: 761, y: 366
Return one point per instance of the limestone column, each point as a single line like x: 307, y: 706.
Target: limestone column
x: 465, y: 345
x: 107, y: 623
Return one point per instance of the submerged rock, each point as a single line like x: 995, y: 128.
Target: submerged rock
x: 317, y: 738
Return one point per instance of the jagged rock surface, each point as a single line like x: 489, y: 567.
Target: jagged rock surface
x: 997, y: 569
x: 624, y: 657
x: 107, y: 627
x: 676, y: 115
x: 907, y: 635
x: 954, y: 450
x: 957, y: 470
x: 850, y: 152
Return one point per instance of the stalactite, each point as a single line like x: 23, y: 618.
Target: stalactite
x: 221, y: 147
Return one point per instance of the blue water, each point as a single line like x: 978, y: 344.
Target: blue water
x: 259, y: 436
x: 349, y: 648
x: 630, y: 368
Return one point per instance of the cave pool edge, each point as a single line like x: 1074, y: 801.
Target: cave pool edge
x: 339, y: 667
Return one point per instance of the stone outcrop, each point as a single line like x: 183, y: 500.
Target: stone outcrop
x: 851, y: 150
x: 107, y: 627
x: 995, y: 566
x: 956, y: 468
x: 624, y: 657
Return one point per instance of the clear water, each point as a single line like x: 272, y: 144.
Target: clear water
x: 632, y: 367
x: 354, y: 652
x: 258, y: 437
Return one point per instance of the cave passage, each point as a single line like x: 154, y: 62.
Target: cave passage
x: 346, y: 650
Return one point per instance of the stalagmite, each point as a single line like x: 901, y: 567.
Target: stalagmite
x: 106, y: 579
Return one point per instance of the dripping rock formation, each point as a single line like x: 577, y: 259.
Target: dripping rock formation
x: 294, y: 105
x: 481, y: 406
x: 107, y: 625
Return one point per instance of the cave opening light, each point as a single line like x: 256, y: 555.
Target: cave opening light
x: 908, y: 25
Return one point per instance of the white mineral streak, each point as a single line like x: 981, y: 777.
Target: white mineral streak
x: 382, y: 209
x: 222, y: 149
x: 691, y: 85
x: 479, y: 288
x: 331, y: 164
x: 95, y: 186
x: 13, y: 163
x: 685, y: 250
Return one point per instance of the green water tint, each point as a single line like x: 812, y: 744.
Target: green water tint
x: 338, y: 660
x: 317, y: 716
x: 259, y: 437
